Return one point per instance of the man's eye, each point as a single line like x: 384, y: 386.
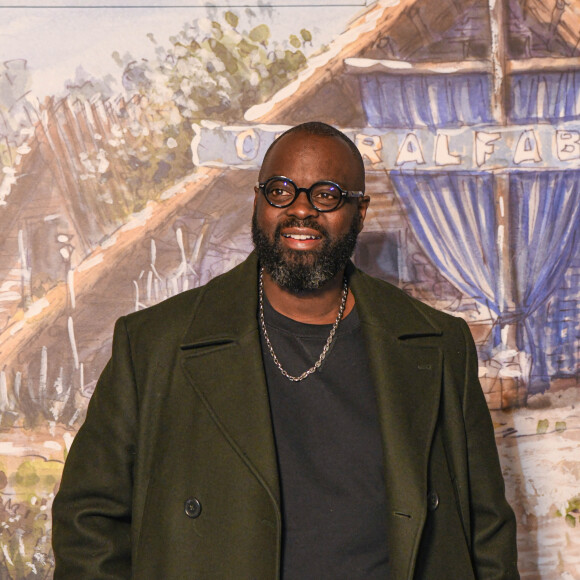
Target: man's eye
x: 329, y: 194
x: 278, y: 192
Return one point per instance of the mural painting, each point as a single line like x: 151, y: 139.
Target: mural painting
x: 124, y: 188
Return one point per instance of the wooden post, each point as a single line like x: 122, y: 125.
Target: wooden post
x: 497, y: 24
x: 512, y: 389
x: 501, y: 179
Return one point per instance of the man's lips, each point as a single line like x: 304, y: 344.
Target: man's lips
x: 301, y: 237
x: 300, y: 234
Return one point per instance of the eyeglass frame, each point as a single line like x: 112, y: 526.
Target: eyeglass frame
x: 344, y: 193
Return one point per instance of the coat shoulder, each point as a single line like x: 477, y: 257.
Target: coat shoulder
x: 393, y: 303
x: 173, y: 316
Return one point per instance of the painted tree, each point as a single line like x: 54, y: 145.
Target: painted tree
x: 215, y: 71
x: 210, y: 70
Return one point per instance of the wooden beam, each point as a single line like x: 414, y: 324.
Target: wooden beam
x: 543, y: 64
x: 560, y: 18
x: 399, y: 67
x: 359, y: 66
x: 498, y: 60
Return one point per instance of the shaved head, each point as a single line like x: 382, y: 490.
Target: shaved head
x: 319, y: 129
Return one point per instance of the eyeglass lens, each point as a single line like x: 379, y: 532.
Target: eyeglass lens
x: 282, y: 193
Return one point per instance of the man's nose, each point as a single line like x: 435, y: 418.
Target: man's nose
x: 301, y: 207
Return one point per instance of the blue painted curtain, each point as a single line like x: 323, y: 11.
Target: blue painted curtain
x: 426, y: 101
x: 438, y: 101
x: 545, y: 222
x: 453, y: 218
x: 549, y: 96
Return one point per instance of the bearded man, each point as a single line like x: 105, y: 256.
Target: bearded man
x: 294, y: 418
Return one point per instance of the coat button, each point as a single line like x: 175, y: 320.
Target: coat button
x: 432, y: 500
x: 192, y: 507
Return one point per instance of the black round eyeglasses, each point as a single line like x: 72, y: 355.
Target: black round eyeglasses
x: 280, y: 191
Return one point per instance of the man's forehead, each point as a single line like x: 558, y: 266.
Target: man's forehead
x: 301, y: 147
x: 295, y: 143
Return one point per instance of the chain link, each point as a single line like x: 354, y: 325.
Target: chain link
x: 329, y: 341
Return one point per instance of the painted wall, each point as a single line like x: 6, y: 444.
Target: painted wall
x: 130, y: 139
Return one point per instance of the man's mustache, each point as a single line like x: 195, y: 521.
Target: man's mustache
x: 297, y: 223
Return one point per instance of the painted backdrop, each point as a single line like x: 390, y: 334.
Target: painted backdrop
x: 130, y: 138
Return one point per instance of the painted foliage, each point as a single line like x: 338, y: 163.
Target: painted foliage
x: 124, y: 188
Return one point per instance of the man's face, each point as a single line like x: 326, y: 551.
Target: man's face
x: 300, y: 247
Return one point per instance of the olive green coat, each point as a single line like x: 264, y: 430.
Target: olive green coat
x: 181, y: 411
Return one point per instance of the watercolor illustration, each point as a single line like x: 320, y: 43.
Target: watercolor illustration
x: 129, y: 177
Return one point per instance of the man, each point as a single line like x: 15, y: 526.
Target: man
x: 293, y: 418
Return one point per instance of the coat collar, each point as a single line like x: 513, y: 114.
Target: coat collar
x: 227, y: 307
x: 232, y: 302
x: 383, y: 305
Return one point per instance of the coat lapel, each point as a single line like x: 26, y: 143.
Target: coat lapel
x: 222, y: 359
x: 406, y: 364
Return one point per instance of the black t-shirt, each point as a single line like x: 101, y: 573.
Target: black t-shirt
x: 330, y: 455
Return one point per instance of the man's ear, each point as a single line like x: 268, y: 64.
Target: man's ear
x: 256, y: 194
x: 363, y: 205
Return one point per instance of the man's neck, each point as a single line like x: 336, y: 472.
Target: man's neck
x: 310, y: 306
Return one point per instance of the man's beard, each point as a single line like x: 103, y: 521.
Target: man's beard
x: 299, y: 270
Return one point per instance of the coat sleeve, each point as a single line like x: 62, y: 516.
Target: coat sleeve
x: 492, y: 521
x: 92, y: 510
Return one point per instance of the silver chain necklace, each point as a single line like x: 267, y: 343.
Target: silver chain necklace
x: 328, y: 341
